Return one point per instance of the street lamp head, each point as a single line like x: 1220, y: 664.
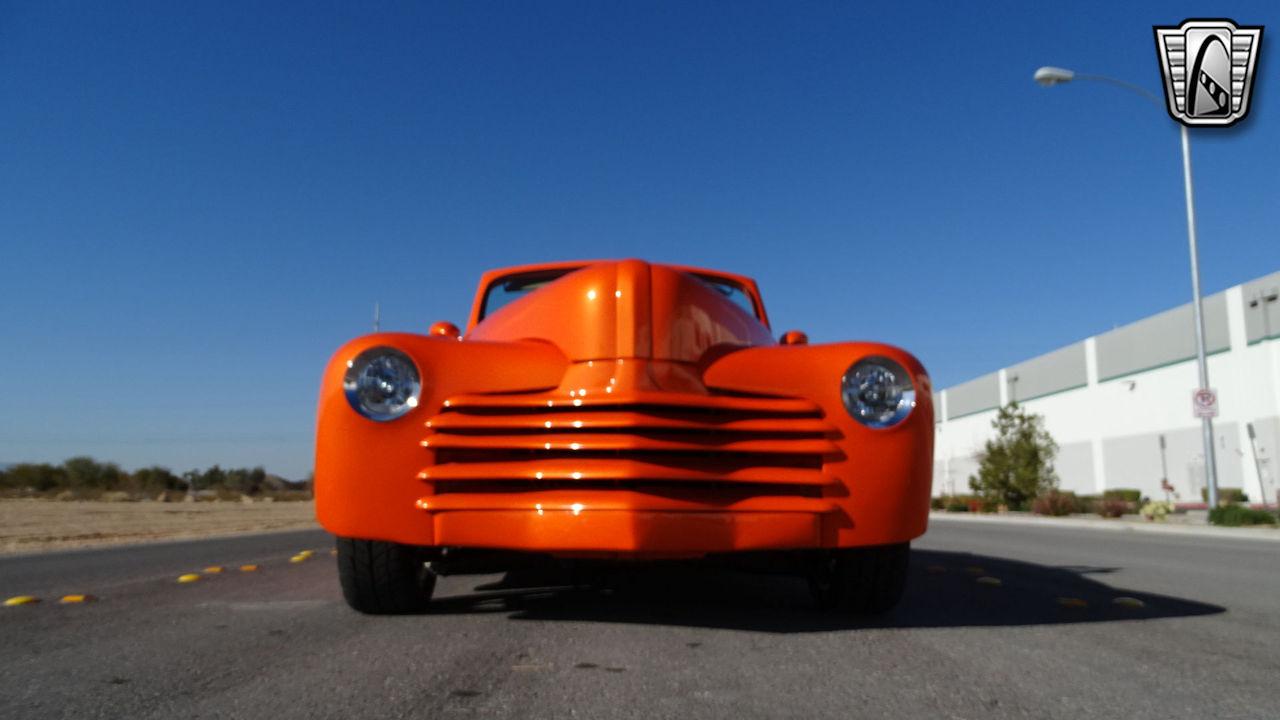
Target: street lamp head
x: 1049, y: 76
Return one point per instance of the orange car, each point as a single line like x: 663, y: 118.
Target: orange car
x: 620, y: 410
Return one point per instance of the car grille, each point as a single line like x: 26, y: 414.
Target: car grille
x: 702, y: 448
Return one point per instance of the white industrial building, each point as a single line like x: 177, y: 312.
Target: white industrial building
x: 1119, y: 404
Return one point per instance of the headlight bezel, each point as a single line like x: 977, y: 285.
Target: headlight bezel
x: 400, y: 380
x: 880, y: 409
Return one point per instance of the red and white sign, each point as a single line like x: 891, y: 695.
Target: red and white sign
x: 1204, y: 403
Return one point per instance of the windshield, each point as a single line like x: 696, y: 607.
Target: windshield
x: 508, y: 289
x: 732, y: 292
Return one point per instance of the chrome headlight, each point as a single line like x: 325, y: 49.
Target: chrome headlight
x: 877, y: 392
x: 382, y: 384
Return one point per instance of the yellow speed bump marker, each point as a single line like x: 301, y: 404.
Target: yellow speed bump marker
x: 21, y: 600
x: 74, y: 599
x: 333, y: 551
x: 1071, y: 602
x: 213, y: 569
x: 988, y: 580
x: 189, y: 578
x: 298, y: 558
x: 307, y: 553
x: 248, y: 568
x: 1132, y: 602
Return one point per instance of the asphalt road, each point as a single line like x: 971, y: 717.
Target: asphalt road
x: 674, y: 642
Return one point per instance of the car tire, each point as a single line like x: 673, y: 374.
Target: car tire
x: 860, y: 581
x: 383, y: 578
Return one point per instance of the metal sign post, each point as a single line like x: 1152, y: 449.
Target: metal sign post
x: 1164, y: 471
x: 1257, y: 464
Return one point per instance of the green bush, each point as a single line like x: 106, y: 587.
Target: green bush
x: 39, y: 478
x: 154, y: 480
x: 1087, y: 503
x: 1226, y: 495
x: 1237, y: 515
x: 1125, y: 494
x: 85, y: 473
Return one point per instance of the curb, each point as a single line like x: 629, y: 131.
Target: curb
x: 1262, y: 534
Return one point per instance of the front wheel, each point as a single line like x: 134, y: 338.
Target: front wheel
x: 861, y: 581
x: 383, y: 578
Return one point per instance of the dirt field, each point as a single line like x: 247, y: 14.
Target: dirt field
x: 28, y: 525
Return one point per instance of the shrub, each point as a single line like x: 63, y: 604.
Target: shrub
x: 1226, y: 495
x: 1157, y: 510
x: 153, y: 480
x: 1237, y: 515
x: 288, y: 495
x: 961, y: 503
x: 83, y: 478
x: 980, y: 504
x: 1054, y: 503
x: 36, y: 477
x: 1017, y: 465
x: 1111, y: 507
x: 1126, y: 494
x: 1087, y: 503
x: 85, y: 473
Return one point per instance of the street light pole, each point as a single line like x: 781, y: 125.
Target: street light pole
x: 1050, y: 76
x: 1210, y: 458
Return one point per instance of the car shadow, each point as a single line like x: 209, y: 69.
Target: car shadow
x: 944, y: 589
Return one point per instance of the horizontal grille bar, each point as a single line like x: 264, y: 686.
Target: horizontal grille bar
x: 646, y: 399
x: 579, y: 470
x: 683, y: 489
x: 629, y: 420
x: 721, y: 462
x: 618, y: 442
x: 623, y: 500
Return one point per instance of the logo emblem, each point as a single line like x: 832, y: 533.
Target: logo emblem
x: 1208, y: 70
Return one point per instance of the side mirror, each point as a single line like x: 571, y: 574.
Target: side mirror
x: 794, y: 337
x: 445, y: 328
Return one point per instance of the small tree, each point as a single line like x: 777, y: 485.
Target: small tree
x: 1017, y: 465
x: 85, y: 473
x: 156, y: 479
x: 41, y: 477
x: 214, y: 478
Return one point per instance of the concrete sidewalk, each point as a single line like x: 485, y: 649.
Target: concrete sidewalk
x: 1103, y: 524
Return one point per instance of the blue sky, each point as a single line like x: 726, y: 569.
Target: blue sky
x: 200, y: 201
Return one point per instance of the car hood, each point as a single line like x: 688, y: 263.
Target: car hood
x: 626, y: 309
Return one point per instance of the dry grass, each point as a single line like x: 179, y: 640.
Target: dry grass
x: 27, y: 525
